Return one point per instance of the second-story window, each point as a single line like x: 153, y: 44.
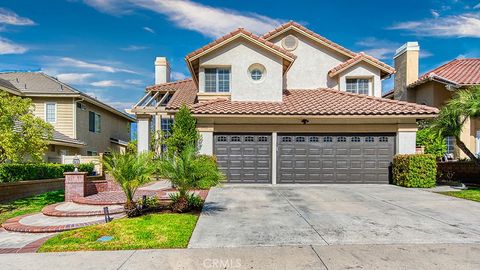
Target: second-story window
x: 358, y: 86
x: 94, y: 122
x: 217, y: 80
x: 50, y: 112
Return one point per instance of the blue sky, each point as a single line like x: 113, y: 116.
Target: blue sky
x: 107, y: 47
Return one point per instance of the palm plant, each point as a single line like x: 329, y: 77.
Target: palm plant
x: 453, y: 116
x: 186, y: 171
x: 131, y: 171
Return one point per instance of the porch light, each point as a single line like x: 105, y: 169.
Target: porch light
x: 76, y: 162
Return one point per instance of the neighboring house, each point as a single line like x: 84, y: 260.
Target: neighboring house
x: 436, y: 87
x: 83, y: 125
x: 287, y: 107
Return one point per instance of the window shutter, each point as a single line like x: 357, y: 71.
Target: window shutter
x: 91, y: 121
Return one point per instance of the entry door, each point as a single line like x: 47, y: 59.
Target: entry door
x: 320, y: 158
x: 244, y: 158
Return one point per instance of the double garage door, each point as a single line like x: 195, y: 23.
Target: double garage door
x: 305, y: 158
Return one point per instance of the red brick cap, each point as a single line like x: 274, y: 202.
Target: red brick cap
x: 322, y: 101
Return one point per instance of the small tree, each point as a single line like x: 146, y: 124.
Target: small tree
x: 184, y: 132
x: 452, y: 117
x: 187, y: 171
x: 22, y: 135
x: 131, y: 171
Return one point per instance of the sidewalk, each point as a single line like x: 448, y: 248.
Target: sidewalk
x: 432, y: 256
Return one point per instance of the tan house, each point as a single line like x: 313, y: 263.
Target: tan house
x: 83, y: 125
x: 287, y: 107
x: 436, y: 87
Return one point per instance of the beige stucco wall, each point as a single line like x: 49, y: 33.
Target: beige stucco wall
x: 239, y: 55
x: 54, y: 152
x: 112, y: 126
x: 65, y: 112
x: 430, y: 93
x: 363, y: 70
x: 310, y: 69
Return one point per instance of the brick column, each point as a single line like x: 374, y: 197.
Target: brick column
x: 75, y: 185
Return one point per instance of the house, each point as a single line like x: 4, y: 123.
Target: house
x: 82, y: 124
x: 287, y: 107
x: 436, y: 87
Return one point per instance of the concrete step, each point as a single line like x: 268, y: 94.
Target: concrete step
x: 71, y: 209
x: 40, y: 223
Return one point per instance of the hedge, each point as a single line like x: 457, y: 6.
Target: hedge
x: 416, y: 170
x: 36, y: 171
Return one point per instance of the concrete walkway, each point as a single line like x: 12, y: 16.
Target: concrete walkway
x: 441, y: 256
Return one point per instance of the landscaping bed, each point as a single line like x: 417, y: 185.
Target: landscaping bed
x: 29, y: 205
x: 159, y: 230
x: 472, y: 194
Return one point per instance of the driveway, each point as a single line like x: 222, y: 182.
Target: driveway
x: 241, y: 216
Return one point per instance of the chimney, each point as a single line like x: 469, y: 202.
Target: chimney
x: 406, y: 66
x: 162, y: 70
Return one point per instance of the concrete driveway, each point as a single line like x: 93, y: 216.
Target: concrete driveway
x: 240, y: 216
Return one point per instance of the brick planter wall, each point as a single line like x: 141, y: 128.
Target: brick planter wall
x: 22, y: 189
x: 466, y: 172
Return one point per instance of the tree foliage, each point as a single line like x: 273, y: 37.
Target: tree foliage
x: 184, y: 132
x: 452, y: 117
x: 431, y: 141
x: 22, y: 135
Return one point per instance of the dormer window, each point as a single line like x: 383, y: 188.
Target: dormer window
x: 217, y: 80
x: 358, y: 86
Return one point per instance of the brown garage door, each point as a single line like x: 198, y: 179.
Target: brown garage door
x: 244, y: 158
x: 362, y: 158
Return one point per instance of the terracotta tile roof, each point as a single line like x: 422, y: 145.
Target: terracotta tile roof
x: 185, y: 92
x: 321, y: 101
x: 246, y: 33
x: 459, y: 71
x: 310, y: 32
x: 361, y: 57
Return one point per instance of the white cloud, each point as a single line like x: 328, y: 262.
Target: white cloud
x: 434, y: 13
x: 177, y: 76
x: 9, y: 47
x: 462, y: 25
x: 207, y: 20
x: 148, y: 29
x: 74, y: 78
x: 132, y: 48
x: 384, y: 49
x: 477, y: 6
x: 67, y: 61
x: 105, y: 83
x: 135, y: 82
x: 11, y: 18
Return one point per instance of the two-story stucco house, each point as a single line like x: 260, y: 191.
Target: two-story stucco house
x: 287, y: 107
x: 83, y: 125
x: 436, y: 87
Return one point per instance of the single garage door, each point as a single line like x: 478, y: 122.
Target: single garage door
x: 334, y: 159
x: 244, y: 158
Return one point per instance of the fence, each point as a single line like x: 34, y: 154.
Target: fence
x: 96, y: 160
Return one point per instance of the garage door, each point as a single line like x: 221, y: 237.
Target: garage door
x: 334, y: 159
x: 244, y: 158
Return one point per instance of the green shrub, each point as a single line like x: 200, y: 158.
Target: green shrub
x: 433, y: 143
x: 36, y: 171
x: 417, y: 170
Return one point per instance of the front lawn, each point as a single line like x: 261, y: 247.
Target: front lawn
x: 29, y: 205
x: 145, y: 232
x: 472, y: 194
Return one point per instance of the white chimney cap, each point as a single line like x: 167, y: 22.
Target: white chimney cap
x: 161, y: 61
x: 409, y: 46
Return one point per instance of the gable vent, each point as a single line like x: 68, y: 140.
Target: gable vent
x: 290, y: 43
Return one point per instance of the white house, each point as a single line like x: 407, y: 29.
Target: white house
x: 287, y: 107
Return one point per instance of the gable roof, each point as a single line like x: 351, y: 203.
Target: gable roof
x: 318, y: 102
x: 192, y: 58
x: 31, y: 84
x: 291, y: 25
x: 460, y: 72
x: 9, y: 87
x: 386, y: 69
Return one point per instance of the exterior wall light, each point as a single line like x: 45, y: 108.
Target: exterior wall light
x: 76, y: 163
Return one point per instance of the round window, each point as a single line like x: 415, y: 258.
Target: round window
x: 257, y: 72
